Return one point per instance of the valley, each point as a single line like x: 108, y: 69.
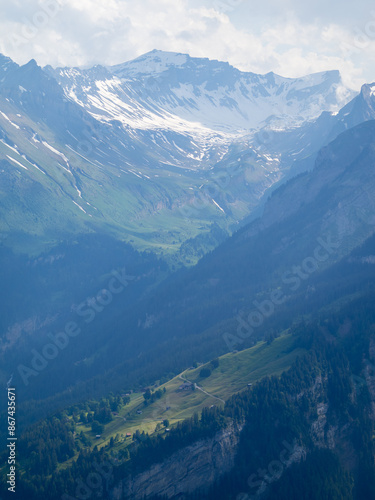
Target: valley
x: 187, y: 268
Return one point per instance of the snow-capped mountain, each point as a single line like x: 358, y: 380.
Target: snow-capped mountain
x: 155, y: 150
x: 178, y: 92
x: 305, y: 141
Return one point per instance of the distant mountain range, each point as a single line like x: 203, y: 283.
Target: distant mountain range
x: 164, y: 90
x: 153, y: 151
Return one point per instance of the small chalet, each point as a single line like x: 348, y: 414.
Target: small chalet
x: 185, y: 386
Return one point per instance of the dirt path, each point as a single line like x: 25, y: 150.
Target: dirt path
x: 200, y: 389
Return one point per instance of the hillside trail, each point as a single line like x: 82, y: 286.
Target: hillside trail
x: 200, y: 389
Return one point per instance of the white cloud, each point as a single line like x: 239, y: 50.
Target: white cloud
x: 287, y: 37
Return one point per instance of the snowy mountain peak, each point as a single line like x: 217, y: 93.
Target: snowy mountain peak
x: 177, y: 67
x: 157, y: 62
x: 154, y: 62
x: 174, y: 91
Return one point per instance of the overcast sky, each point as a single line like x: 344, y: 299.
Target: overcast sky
x: 290, y: 37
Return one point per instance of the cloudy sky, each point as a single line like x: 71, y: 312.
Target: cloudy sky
x: 289, y: 37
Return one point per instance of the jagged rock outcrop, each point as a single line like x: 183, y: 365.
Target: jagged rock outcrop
x: 194, y: 467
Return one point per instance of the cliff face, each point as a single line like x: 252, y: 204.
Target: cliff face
x: 190, y: 469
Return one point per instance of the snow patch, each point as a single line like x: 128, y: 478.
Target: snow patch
x: 58, y: 153
x: 79, y: 206
x: 17, y: 162
x: 218, y: 206
x: 10, y: 121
